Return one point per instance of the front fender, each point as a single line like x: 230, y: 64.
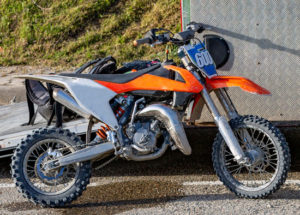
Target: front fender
x: 234, y: 81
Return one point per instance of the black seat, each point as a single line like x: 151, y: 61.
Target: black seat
x: 115, y: 78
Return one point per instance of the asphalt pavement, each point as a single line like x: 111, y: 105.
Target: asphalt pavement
x: 166, y: 186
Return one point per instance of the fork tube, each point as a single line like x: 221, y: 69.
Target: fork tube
x: 231, y: 110
x: 224, y: 128
x: 226, y: 103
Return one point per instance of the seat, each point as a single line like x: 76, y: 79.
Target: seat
x: 114, y: 78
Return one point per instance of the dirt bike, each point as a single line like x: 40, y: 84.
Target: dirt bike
x: 140, y: 117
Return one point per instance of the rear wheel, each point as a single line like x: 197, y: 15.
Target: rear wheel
x: 53, y: 187
x: 262, y: 177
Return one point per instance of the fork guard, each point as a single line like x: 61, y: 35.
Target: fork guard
x: 235, y: 81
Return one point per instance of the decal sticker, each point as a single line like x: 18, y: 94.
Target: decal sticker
x: 203, y: 59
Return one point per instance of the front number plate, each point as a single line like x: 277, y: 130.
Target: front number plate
x: 201, y: 58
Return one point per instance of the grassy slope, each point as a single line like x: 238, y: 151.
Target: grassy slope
x: 71, y: 32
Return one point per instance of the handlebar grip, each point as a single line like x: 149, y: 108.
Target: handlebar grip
x: 142, y: 41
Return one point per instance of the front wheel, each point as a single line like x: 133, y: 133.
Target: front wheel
x: 262, y: 177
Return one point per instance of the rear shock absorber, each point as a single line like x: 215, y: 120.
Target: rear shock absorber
x: 120, y: 107
x: 101, y: 132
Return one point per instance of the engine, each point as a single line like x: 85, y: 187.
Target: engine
x: 144, y: 136
x: 145, y: 128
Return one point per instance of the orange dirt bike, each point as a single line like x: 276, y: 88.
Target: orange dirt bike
x: 140, y: 117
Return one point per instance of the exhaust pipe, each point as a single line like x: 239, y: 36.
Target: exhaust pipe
x: 66, y: 100
x: 172, y: 123
x: 152, y: 156
x: 90, y: 153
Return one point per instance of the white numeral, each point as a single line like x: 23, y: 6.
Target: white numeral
x: 203, y: 59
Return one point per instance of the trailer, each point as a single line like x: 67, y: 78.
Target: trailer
x: 263, y: 38
x: 13, y: 126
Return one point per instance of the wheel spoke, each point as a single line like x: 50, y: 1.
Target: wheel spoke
x: 236, y: 165
x: 48, y: 182
x: 261, y: 173
x: 235, y: 170
x: 231, y: 159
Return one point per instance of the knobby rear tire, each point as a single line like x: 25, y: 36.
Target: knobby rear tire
x: 24, y: 186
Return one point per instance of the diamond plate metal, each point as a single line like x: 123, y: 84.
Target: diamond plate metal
x: 265, y: 44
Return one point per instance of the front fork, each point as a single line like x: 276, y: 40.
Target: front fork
x: 223, y: 124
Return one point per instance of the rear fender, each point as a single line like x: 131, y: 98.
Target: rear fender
x: 93, y: 98
x: 234, y: 81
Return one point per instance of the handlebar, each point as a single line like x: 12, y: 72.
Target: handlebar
x: 145, y: 40
x: 180, y: 38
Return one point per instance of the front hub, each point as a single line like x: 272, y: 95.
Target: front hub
x: 255, y: 155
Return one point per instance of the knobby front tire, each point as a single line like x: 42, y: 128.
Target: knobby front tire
x: 263, y: 178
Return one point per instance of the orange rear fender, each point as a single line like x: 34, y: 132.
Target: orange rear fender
x: 234, y: 81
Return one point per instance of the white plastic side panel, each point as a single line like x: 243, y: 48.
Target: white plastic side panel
x: 264, y: 39
x: 91, y: 96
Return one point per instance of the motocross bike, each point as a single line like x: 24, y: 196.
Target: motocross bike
x: 139, y: 122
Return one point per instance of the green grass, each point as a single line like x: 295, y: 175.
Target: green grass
x: 71, y: 32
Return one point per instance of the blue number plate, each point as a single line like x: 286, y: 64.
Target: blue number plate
x: 202, y: 59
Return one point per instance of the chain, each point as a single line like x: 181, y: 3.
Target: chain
x: 106, y: 162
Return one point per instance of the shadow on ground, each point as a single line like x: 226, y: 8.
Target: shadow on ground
x: 124, y: 196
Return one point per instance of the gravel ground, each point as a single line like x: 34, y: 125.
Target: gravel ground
x: 155, y: 189
x: 218, y: 200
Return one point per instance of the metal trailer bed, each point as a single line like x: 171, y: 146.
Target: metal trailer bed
x: 12, y: 118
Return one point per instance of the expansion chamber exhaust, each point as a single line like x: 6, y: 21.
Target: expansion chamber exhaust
x: 66, y: 100
x: 172, y: 123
